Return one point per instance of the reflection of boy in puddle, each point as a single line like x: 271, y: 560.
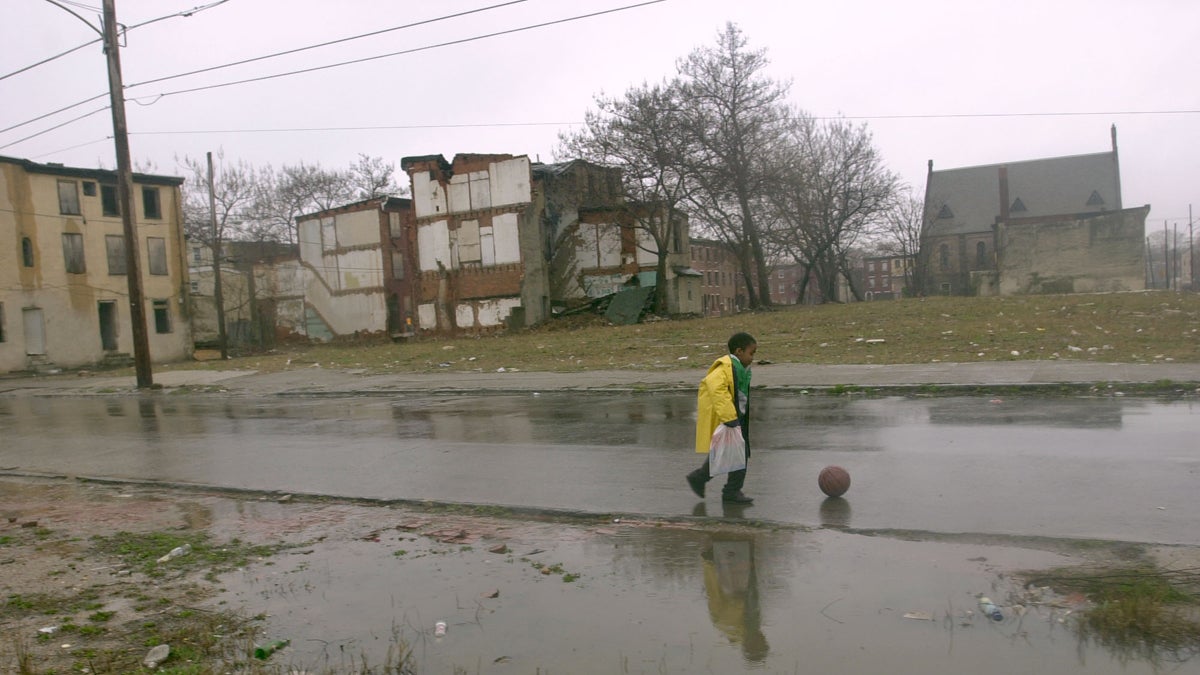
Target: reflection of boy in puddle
x: 732, y: 588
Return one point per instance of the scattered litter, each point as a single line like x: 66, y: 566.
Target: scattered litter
x: 501, y: 369
x: 1072, y: 348
x: 285, y: 499
x: 443, y: 364
x: 29, y: 523
x: 176, y: 552
x: 48, y: 630
x: 494, y: 593
x: 616, y: 520
x: 996, y: 400
x: 919, y: 616
x: 498, y: 548
x: 875, y: 341
x: 439, y: 629
x: 989, y: 609
x: 264, y: 652
x: 156, y: 656
x: 682, y: 358
x: 1161, y: 508
x: 1015, y: 353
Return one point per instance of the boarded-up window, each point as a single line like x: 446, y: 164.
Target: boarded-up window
x: 150, y: 203
x: 68, y: 197
x: 114, y: 244
x: 468, y: 242
x: 109, y: 204
x: 156, y: 247
x: 73, y: 253
x: 162, y: 316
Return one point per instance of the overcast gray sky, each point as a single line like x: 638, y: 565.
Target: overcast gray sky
x: 961, y: 83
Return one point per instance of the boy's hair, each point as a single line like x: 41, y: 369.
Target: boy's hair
x: 741, y: 341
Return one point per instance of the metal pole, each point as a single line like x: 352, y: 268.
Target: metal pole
x: 133, y: 264
x: 218, y: 297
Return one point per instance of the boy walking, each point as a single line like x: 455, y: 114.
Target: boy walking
x: 724, y: 398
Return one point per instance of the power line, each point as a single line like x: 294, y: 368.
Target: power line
x: 185, y: 13
x: 63, y: 124
x: 415, y: 49
x: 227, y: 65
x: 326, y: 44
x: 1077, y: 113
x: 363, y: 128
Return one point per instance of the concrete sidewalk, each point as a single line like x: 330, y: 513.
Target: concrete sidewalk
x: 324, y: 381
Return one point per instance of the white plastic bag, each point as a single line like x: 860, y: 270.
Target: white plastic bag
x: 727, y: 451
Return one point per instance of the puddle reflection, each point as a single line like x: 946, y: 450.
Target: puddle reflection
x: 731, y: 586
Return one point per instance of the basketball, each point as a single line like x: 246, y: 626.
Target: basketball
x: 834, y: 481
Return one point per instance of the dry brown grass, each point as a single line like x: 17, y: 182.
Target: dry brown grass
x: 1111, y: 328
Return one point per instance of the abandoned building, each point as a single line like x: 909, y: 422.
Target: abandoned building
x: 1053, y: 225
x: 64, y: 294
x: 502, y: 241
x: 355, y: 270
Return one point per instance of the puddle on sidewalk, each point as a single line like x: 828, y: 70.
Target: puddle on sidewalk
x: 633, y: 597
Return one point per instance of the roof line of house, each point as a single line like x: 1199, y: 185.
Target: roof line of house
x: 998, y: 165
x: 95, y: 174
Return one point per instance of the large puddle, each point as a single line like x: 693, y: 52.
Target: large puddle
x: 621, y: 597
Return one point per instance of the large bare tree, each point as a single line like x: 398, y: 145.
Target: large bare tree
x: 639, y: 133
x: 832, y: 191
x: 733, y: 116
x: 904, y: 235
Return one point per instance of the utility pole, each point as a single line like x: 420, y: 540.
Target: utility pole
x: 222, y: 338
x: 133, y: 263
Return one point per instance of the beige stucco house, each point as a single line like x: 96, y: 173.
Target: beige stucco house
x: 64, y: 296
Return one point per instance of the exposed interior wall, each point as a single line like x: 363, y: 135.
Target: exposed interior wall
x: 342, y: 255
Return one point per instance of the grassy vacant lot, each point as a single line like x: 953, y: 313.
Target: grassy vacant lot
x: 1111, y: 328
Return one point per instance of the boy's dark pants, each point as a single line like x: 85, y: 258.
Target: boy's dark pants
x: 733, y: 484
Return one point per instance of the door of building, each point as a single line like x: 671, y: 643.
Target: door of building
x: 108, y: 325
x: 35, y: 331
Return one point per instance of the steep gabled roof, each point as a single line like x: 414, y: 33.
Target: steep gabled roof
x: 968, y: 199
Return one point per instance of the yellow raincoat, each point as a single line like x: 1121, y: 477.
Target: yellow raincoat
x: 715, y: 401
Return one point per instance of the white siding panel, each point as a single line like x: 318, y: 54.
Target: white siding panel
x: 464, y: 316
x: 433, y: 244
x: 428, y: 197
x: 481, y: 190
x: 495, y: 312
x: 468, y: 241
x: 510, y: 182
x: 647, y: 250
x: 487, y: 247
x: 506, y: 238
x: 460, y: 194
x: 427, y: 316
x: 358, y: 228
x: 609, y: 244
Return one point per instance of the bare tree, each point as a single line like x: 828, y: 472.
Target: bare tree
x: 639, y: 133
x: 372, y: 177
x: 235, y: 185
x: 832, y: 191
x: 904, y: 235
x: 294, y: 190
x: 733, y: 115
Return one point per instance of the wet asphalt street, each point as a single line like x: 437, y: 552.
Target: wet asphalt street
x: 1107, y: 466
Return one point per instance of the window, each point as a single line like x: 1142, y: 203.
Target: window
x: 109, y: 204
x: 195, y: 254
x: 195, y: 286
x: 89, y: 188
x: 150, y: 203
x: 68, y: 197
x: 114, y: 244
x: 162, y: 316
x: 981, y: 255
x: 156, y: 248
x: 26, y: 252
x: 73, y: 253
x: 944, y: 257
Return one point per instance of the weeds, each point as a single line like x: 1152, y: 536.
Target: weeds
x: 1137, y: 612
